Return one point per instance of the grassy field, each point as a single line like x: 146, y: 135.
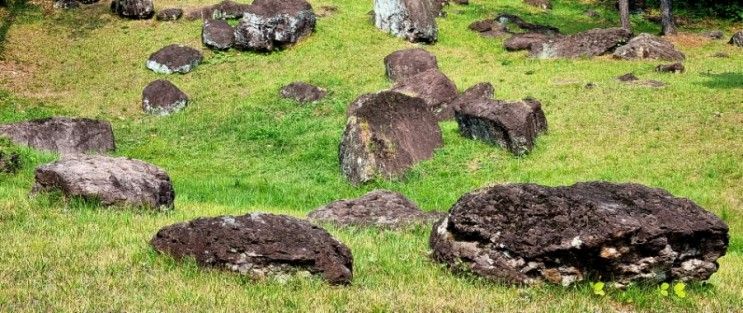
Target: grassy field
x: 239, y: 148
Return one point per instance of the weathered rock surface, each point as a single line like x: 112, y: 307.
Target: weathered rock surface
x: 505, y: 18
x: 405, y: 63
x: 646, y: 46
x: 542, y: 4
x: 379, y: 208
x: 133, y: 9
x: 386, y: 134
x: 112, y: 181
x: 525, y: 41
x: 62, y: 134
x: 675, y: 68
x: 586, y: 44
x: 161, y: 97
x: 258, y: 245
x: 511, y: 125
x: 273, y: 24
x: 434, y: 88
x: 715, y: 34
x: 66, y: 4
x: 737, y: 39
x: 478, y: 92
x: 526, y: 233
x: 224, y: 10
x: 489, y: 28
x: 303, y: 92
x: 174, y: 59
x: 217, y: 34
x: 169, y: 14
x: 413, y: 20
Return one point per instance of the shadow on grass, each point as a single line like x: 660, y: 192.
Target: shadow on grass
x: 14, y: 9
x: 727, y: 80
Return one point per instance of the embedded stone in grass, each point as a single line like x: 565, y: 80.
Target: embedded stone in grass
x: 505, y: 18
x: 413, y: 20
x: 511, y: 125
x: 161, y: 97
x: 630, y: 78
x: 169, y: 14
x: 715, y: 34
x: 258, y: 245
x: 386, y: 134
x: 133, y: 9
x: 542, y: 4
x: 434, y: 88
x: 675, y: 68
x: 646, y: 46
x: 598, y: 231
x: 590, y: 43
x: 404, y: 63
x: 737, y: 39
x: 273, y: 24
x: 110, y: 180
x: 224, y: 10
x: 217, y: 34
x: 174, y: 59
x: 66, y: 4
x: 525, y: 41
x: 489, y: 28
x: 303, y: 92
x: 62, y: 134
x: 379, y: 208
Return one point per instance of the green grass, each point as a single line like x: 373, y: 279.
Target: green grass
x: 239, y: 148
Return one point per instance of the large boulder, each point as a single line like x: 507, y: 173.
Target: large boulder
x: 591, y: 43
x: 303, y: 92
x: 217, y: 34
x: 169, y: 14
x: 386, y: 134
x: 413, y: 20
x: 404, y: 63
x: 526, y: 233
x: 161, y: 97
x: 379, y: 208
x: 174, y: 59
x: 511, y: 125
x: 434, y: 88
x: 62, y: 134
x: 133, y: 9
x: 737, y: 39
x: 258, y: 245
x: 110, y: 180
x: 273, y: 24
x: 646, y: 46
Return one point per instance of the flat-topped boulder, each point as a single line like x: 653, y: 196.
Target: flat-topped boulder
x: 259, y: 245
x: 512, y: 125
x: 379, y: 208
x: 590, y: 43
x: 404, y: 63
x: 303, y: 92
x: 169, y: 14
x: 646, y: 46
x: 110, y: 180
x: 62, y: 134
x: 412, y: 20
x: 387, y: 133
x: 737, y: 39
x: 217, y: 34
x: 434, y: 88
x: 174, y: 59
x: 274, y: 24
x: 133, y: 9
x: 161, y: 97
x: 624, y: 233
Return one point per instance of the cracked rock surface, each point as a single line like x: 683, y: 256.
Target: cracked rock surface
x: 62, y: 134
x: 268, y: 25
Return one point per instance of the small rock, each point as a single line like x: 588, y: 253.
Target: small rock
x: 590, y: 86
x: 434, y: 88
x: 715, y: 34
x: 62, y: 135
x: 379, y: 208
x: 405, y: 63
x: 66, y: 4
x: 413, y: 20
x: 273, y: 24
x: 629, y: 77
x: 112, y: 181
x: 169, y: 14
x: 737, y: 39
x: 646, y: 46
x: 525, y: 41
x: 542, y: 4
x: 133, y: 9
x: 591, y: 43
x: 721, y: 55
x: 505, y: 18
x: 217, y: 34
x: 303, y: 92
x: 162, y: 98
x: 224, y: 10
x: 675, y: 68
x: 258, y: 245
x: 174, y: 59
x: 489, y: 28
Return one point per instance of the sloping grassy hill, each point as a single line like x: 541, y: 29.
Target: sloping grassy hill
x: 239, y: 148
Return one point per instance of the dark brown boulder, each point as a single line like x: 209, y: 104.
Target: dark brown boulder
x: 387, y: 133
x: 489, y: 28
x: 511, y: 125
x: 162, y: 98
x: 505, y: 18
x: 737, y: 39
x: 591, y: 43
x: 413, y: 20
x: 675, y: 68
x: 112, y: 181
x: 169, y: 14
x: 646, y: 46
x: 62, y: 134
x: 434, y: 88
x: 402, y: 64
x: 174, y: 59
x: 258, y: 245
x: 379, y: 208
x: 273, y: 24
x: 525, y: 41
x: 217, y: 34
x: 133, y: 9
x: 542, y: 4
x: 224, y: 10
x: 481, y: 91
x: 625, y: 233
x: 303, y: 92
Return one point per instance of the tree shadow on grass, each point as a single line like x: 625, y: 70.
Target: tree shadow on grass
x: 727, y: 80
x: 14, y: 9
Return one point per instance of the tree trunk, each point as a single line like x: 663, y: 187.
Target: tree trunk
x: 669, y: 28
x: 624, y: 14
